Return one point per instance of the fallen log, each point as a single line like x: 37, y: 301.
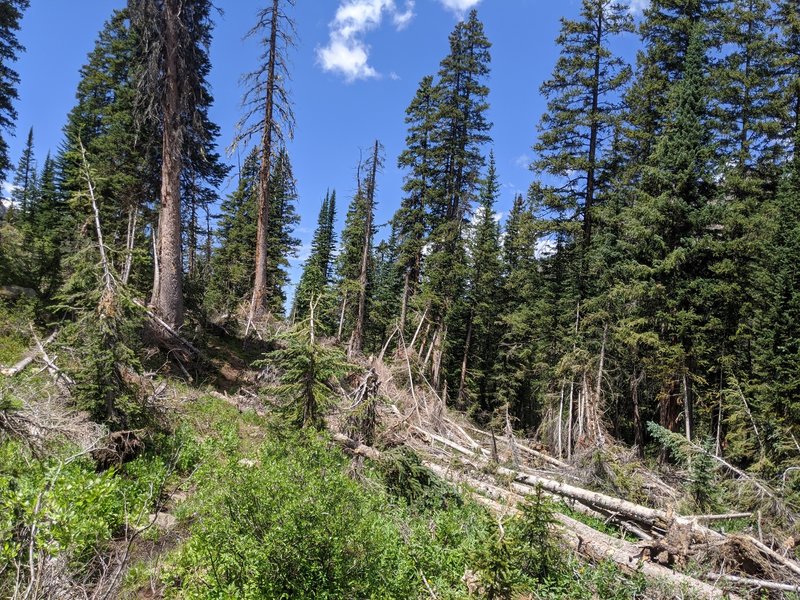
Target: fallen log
x: 54, y: 371
x: 619, y: 510
x: 28, y: 358
x: 769, y: 552
x: 527, y: 450
x: 754, y: 583
x: 586, y: 541
x: 158, y: 320
x: 635, y: 512
x: 356, y: 448
x: 721, y: 517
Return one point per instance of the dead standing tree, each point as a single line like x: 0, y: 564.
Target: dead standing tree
x: 268, y: 113
x: 357, y: 337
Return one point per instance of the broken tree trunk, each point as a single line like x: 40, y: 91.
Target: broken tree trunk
x: 753, y: 583
x: 20, y: 366
x: 588, y: 542
x: 649, y: 517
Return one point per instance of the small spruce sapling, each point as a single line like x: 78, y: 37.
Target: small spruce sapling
x: 309, y: 370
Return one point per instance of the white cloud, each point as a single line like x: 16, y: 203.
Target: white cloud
x: 545, y: 247
x: 346, y: 52
x: 459, y: 7
x: 402, y: 19
x: 637, y: 6
x: 8, y: 188
x: 523, y: 161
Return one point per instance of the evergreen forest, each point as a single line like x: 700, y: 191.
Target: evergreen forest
x: 595, y: 396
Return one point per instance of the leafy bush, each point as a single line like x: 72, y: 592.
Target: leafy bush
x: 294, y: 526
x: 60, y: 506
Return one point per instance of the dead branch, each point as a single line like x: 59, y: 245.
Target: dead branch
x: 54, y: 371
x: 753, y: 583
x: 29, y: 357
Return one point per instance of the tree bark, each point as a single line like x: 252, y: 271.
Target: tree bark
x: 168, y: 296
x: 260, y: 301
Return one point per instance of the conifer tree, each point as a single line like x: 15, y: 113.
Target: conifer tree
x: 49, y: 228
x: 24, y: 182
x: 176, y: 34
x: 10, y: 16
x: 387, y: 286
x: 231, y: 262
x: 283, y: 218
x: 483, y: 297
x: 583, y: 110
x: 355, y: 258
x: 410, y: 222
x: 748, y: 91
x: 522, y: 326
x: 665, y: 32
x: 788, y: 19
x: 269, y: 116
x: 123, y: 156
x: 203, y: 174
x: 316, y: 274
x: 670, y: 243
x: 368, y: 211
x: 231, y: 279
x: 460, y: 131
x: 775, y: 345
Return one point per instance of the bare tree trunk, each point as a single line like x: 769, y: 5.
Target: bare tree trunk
x: 718, y: 444
x: 108, y: 278
x: 261, y: 291
x: 594, y: 422
x: 404, y: 300
x: 357, y: 337
x: 156, y: 267
x: 168, y: 297
x: 191, y: 238
x: 439, y: 337
x: 209, y: 243
x: 465, y: 360
x: 419, y: 326
x: 341, y: 317
x: 559, y: 436
x: 130, y: 243
x: 687, y: 408
x: 638, y: 425
x: 570, y: 419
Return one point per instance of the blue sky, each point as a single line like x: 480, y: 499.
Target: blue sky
x: 355, y: 69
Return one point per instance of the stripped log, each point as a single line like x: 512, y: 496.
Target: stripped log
x: 355, y: 448
x: 527, y: 450
x: 28, y: 358
x: 721, y: 517
x: 631, y: 511
x: 586, y: 541
x: 753, y: 583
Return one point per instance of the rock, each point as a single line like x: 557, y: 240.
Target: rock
x: 247, y: 462
x: 164, y: 521
x: 15, y: 292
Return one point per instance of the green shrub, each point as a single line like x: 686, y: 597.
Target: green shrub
x: 292, y: 526
x: 62, y: 506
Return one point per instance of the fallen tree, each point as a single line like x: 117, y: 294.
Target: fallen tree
x: 29, y: 357
x: 580, y: 538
